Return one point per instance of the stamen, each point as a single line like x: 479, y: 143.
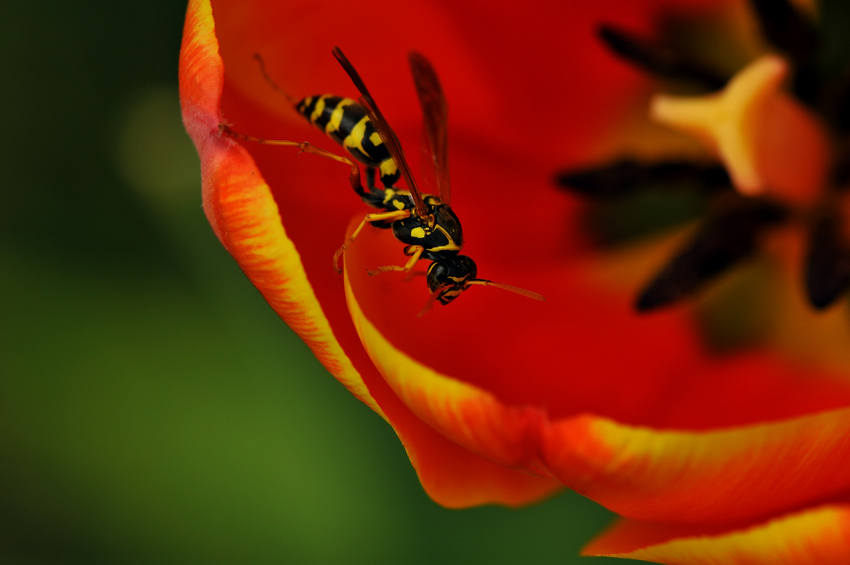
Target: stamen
x: 838, y: 106
x: 627, y: 176
x: 725, y: 239
x: 827, y: 263
x: 658, y: 60
x: 793, y: 32
x: 788, y: 28
x: 772, y: 142
x: 768, y: 141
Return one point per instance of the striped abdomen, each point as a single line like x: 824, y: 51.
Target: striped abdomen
x: 346, y: 122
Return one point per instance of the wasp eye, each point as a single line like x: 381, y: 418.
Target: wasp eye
x: 436, y: 275
x: 450, y: 276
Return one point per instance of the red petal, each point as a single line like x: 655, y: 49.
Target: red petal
x: 637, y: 472
x: 581, y: 351
x: 244, y: 215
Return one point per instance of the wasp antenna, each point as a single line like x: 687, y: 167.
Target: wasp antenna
x: 271, y: 81
x: 510, y: 288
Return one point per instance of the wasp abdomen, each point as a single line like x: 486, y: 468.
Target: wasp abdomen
x: 347, y: 123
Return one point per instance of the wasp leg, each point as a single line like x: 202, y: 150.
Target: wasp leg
x: 378, y: 217
x: 370, y: 178
x: 305, y: 147
x: 415, y: 252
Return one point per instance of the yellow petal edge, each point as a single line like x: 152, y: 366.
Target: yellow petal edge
x: 816, y: 536
x: 639, y: 472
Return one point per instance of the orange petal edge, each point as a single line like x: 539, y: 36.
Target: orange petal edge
x: 240, y: 206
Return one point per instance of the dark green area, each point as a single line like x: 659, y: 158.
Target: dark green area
x: 153, y: 409
x: 833, y: 18
x: 648, y: 211
x: 738, y: 309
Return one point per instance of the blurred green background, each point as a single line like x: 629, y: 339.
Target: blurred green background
x: 153, y: 408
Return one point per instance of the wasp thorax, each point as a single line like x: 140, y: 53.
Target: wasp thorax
x: 449, y: 277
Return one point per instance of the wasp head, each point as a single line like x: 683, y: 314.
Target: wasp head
x: 451, y: 276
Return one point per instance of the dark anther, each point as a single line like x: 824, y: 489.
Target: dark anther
x: 838, y: 110
x: 725, y: 239
x: 807, y: 84
x: 828, y: 262
x: 658, y: 60
x: 788, y: 29
x: 627, y: 176
x: 795, y: 33
x: 841, y: 173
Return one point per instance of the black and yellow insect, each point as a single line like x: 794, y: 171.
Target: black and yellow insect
x: 346, y: 122
x: 425, y: 223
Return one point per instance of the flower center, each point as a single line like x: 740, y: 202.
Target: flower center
x: 770, y: 144
x: 774, y: 128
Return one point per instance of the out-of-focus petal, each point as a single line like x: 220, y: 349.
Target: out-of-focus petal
x: 815, y: 536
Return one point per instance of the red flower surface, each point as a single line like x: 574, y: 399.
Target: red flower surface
x: 733, y: 458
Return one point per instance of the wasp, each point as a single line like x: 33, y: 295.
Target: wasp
x: 425, y: 223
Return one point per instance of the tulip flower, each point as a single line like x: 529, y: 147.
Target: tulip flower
x: 712, y: 451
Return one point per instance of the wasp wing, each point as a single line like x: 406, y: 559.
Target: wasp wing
x: 385, y: 131
x: 435, y: 114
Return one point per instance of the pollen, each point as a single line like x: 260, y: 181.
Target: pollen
x: 769, y: 142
